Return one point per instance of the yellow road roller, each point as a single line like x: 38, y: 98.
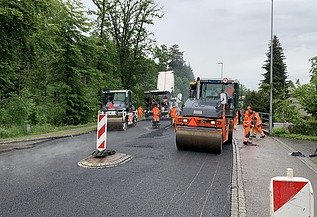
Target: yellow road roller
x: 206, y: 120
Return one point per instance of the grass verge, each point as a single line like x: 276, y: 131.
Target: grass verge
x: 298, y: 136
x: 16, y: 133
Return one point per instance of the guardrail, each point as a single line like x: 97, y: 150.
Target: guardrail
x: 265, y: 117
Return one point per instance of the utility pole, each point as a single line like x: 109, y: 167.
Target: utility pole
x: 271, y: 74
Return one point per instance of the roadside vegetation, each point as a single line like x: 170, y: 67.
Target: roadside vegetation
x: 57, y: 57
x: 294, y: 104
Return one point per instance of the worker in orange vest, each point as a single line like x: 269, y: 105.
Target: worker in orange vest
x: 140, y: 113
x: 173, y: 114
x: 247, y: 124
x: 257, y: 126
x: 156, y: 116
x: 111, y: 103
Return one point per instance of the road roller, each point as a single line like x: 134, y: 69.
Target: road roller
x: 206, y: 120
x: 120, y: 111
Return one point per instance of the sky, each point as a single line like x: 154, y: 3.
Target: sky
x: 237, y: 33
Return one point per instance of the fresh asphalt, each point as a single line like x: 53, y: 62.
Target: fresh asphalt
x: 159, y: 181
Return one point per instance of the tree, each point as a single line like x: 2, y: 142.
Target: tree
x: 162, y: 54
x: 126, y: 23
x: 313, y: 71
x: 306, y: 94
x: 257, y: 100
x: 279, y: 71
x: 73, y: 74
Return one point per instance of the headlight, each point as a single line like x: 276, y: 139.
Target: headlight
x: 212, y: 122
x: 185, y: 120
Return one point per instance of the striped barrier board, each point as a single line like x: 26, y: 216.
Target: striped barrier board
x: 102, y: 131
x: 291, y: 196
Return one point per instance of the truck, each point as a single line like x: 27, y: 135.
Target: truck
x: 120, y: 110
x: 162, y: 96
x: 206, y: 121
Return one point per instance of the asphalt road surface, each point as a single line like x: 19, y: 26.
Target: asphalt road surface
x: 158, y: 181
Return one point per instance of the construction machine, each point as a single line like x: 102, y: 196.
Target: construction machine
x: 163, y: 99
x: 119, y: 108
x: 206, y: 121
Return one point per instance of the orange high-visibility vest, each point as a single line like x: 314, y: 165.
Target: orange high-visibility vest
x: 257, y: 118
x: 173, y: 112
x: 140, y: 111
x: 156, y: 112
x: 247, y: 120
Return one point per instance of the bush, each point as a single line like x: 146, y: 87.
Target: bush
x: 279, y: 131
x: 305, y: 128
x: 11, y: 132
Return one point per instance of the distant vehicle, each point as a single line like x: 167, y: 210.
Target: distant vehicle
x: 165, y: 81
x: 162, y: 97
x: 119, y: 108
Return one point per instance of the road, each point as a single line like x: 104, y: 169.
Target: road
x: 158, y: 181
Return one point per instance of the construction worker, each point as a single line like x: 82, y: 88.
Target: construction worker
x: 140, y: 112
x: 257, y: 126
x: 111, y: 103
x: 173, y: 114
x: 247, y: 124
x: 156, y: 115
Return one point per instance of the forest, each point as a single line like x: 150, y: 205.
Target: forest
x: 57, y: 57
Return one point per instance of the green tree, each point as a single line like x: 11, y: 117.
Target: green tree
x: 257, y: 100
x: 280, y: 85
x: 313, y: 71
x: 162, y: 54
x: 73, y: 77
x: 125, y: 22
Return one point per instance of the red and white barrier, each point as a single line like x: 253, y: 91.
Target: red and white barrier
x: 102, y: 131
x: 291, y: 196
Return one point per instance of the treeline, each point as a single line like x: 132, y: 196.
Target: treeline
x: 55, y: 62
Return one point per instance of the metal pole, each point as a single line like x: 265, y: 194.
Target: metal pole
x: 221, y: 69
x: 271, y: 74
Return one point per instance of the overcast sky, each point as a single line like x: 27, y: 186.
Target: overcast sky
x: 237, y: 33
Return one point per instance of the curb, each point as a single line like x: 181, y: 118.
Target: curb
x: 238, y: 203
x: 108, y: 161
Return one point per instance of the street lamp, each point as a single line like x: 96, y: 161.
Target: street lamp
x: 271, y: 74
x: 221, y: 69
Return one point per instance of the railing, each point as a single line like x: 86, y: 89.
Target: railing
x: 265, y: 117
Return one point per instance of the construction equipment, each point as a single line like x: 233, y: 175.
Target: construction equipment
x: 160, y: 98
x: 119, y: 108
x: 206, y: 121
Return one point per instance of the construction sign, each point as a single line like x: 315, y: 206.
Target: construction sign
x: 102, y: 131
x: 291, y: 196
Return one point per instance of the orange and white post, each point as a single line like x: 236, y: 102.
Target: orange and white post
x: 102, y: 131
